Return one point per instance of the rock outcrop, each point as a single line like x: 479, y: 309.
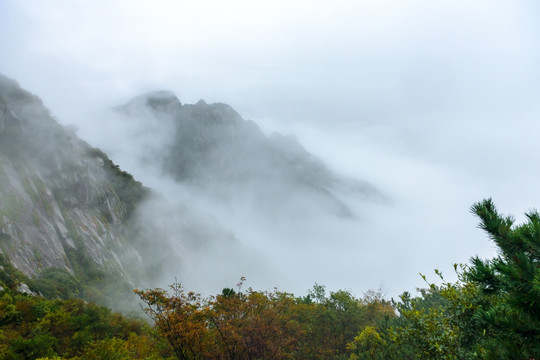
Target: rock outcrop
x: 61, y: 201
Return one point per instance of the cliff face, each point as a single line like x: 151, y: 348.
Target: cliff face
x: 63, y: 204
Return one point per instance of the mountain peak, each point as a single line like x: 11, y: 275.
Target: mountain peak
x: 163, y: 101
x: 161, y: 95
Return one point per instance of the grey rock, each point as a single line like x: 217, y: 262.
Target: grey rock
x: 23, y: 288
x: 56, y: 196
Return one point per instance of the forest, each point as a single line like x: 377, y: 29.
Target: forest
x: 491, y: 312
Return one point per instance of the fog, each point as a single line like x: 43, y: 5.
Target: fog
x: 432, y: 103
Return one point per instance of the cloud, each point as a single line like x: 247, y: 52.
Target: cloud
x: 433, y: 102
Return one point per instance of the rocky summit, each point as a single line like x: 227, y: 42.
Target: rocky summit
x: 223, y: 155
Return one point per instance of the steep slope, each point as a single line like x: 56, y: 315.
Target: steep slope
x: 213, y: 149
x: 63, y: 204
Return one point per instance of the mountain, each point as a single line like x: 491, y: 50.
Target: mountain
x: 225, y: 197
x: 64, y: 205
x: 216, y: 152
x: 274, y: 198
x: 72, y: 223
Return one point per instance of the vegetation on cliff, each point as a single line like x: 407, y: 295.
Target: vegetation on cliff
x: 64, y: 206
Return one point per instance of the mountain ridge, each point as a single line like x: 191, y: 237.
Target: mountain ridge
x: 216, y: 150
x: 67, y: 211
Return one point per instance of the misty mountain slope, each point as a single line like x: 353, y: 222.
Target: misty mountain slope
x: 63, y: 204
x: 234, y: 201
x: 219, y: 154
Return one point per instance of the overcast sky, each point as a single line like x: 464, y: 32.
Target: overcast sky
x: 436, y: 103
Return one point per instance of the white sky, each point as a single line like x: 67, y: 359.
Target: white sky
x: 434, y: 102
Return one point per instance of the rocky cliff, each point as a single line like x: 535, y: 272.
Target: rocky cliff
x: 63, y: 204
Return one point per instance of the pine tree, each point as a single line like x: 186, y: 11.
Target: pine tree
x: 513, y: 280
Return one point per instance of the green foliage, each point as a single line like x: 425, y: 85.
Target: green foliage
x: 56, y: 283
x: 427, y: 328
x: 130, y: 191
x: 89, y: 282
x: 492, y: 311
x: 367, y: 345
x: 10, y: 276
x: 37, y: 345
x: 331, y: 322
x: 33, y: 327
x: 512, y: 280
